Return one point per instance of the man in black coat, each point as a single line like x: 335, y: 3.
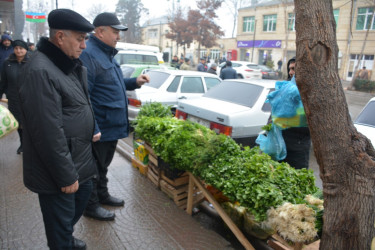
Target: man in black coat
x: 228, y: 72
x: 58, y: 123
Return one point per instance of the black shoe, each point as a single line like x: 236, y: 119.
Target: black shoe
x: 113, y: 201
x: 19, y: 150
x: 78, y: 244
x: 99, y: 213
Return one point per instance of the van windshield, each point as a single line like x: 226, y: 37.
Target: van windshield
x: 137, y: 59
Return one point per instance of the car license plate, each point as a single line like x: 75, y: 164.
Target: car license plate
x: 199, y: 121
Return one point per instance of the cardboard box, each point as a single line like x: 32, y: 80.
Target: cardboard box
x: 140, y: 152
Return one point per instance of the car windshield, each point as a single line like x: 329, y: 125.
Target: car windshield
x: 136, y: 59
x: 367, y: 116
x: 241, y: 93
x: 156, y: 79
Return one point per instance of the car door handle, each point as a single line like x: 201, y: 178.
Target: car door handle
x: 182, y: 97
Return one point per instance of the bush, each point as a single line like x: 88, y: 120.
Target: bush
x: 364, y: 85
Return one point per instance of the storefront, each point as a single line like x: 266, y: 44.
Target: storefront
x: 259, y: 51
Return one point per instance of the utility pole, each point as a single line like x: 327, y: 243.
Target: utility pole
x: 255, y: 29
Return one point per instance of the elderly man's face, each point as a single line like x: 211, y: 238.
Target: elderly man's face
x: 73, y: 43
x: 6, y: 42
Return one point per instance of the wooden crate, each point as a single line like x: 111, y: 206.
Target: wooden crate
x: 154, y: 174
x: 153, y: 159
x: 179, y: 194
x: 278, y: 243
x: 182, y: 180
x: 149, y: 149
x: 143, y: 169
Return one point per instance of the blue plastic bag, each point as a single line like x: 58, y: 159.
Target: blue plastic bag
x: 285, y: 99
x: 273, y: 144
x: 286, y: 105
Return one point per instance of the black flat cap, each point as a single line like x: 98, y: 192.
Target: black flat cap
x: 66, y: 19
x: 109, y: 19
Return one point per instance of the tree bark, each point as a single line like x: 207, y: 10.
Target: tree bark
x: 346, y: 158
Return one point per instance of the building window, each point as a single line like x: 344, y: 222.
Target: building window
x: 269, y: 23
x: 152, y: 33
x: 215, y: 54
x: 365, y: 19
x: 203, y: 53
x: 336, y: 16
x: 291, y: 21
x: 248, y: 24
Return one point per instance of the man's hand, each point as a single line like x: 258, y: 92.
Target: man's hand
x: 142, y: 79
x: 96, y: 137
x: 70, y: 189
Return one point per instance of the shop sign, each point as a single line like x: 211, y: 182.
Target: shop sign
x: 259, y: 44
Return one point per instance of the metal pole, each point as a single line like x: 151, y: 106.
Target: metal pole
x: 252, y: 53
x: 57, y: 4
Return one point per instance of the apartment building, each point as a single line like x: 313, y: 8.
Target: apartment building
x: 267, y: 32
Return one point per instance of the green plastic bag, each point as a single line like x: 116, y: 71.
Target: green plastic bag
x: 7, y: 121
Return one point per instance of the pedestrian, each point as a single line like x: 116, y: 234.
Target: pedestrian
x: 107, y: 89
x: 58, y: 127
x: 31, y: 46
x: 9, y: 81
x: 279, y: 64
x: 297, y: 139
x: 202, y: 65
x: 180, y: 62
x: 363, y: 74
x: 6, y: 49
x: 228, y: 72
x: 212, y: 69
x: 174, y: 62
x: 185, y: 65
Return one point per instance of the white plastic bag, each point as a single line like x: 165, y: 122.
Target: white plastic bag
x: 7, y: 121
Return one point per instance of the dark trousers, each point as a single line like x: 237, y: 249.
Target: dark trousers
x: 61, y: 212
x: 103, y: 152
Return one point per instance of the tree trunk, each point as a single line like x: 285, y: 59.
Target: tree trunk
x: 346, y: 158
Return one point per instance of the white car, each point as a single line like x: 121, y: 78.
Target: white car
x: 235, y: 107
x: 245, y: 70
x: 170, y: 86
x: 365, y: 122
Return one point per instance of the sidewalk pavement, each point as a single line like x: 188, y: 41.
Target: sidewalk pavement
x: 149, y: 219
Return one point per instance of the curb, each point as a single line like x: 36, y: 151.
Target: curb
x: 125, y: 150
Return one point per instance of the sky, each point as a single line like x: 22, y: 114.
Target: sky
x: 156, y: 8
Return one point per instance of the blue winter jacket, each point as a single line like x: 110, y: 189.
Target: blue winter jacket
x: 107, y: 89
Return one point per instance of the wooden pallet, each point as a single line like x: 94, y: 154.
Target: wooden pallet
x: 143, y: 169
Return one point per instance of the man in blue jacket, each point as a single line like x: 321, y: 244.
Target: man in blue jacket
x: 228, y: 72
x: 107, y: 89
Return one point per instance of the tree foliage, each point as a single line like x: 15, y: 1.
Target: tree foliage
x: 130, y: 12
x: 179, y: 30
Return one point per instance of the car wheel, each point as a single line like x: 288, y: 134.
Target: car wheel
x: 239, y: 76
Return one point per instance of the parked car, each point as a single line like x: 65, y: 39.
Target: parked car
x: 236, y: 108
x: 365, y: 122
x: 268, y: 73
x: 245, y: 70
x: 129, y: 71
x: 170, y: 86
